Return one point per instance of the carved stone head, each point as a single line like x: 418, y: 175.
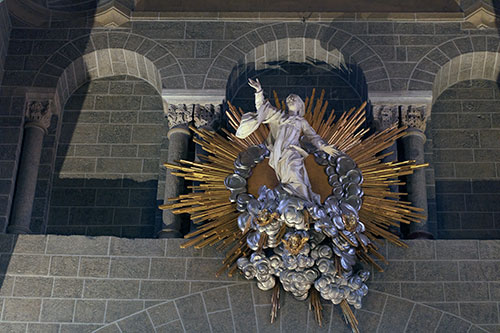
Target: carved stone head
x: 295, y: 105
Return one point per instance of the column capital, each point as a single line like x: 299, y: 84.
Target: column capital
x: 179, y: 115
x: 38, y: 114
x: 385, y: 116
x: 414, y: 116
x: 207, y: 116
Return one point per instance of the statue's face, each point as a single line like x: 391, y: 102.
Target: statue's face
x: 295, y: 104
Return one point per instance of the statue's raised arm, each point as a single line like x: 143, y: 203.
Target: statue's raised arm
x: 265, y: 112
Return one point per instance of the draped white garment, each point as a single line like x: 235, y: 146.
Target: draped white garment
x: 286, y: 156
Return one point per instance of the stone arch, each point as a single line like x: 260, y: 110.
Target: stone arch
x: 463, y: 54
x: 299, y: 42
x: 106, y: 54
x: 384, y: 312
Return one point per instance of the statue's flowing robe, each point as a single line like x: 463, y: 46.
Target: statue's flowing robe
x: 286, y: 156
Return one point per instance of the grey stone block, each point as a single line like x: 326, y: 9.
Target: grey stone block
x: 466, y: 291
x: 445, y: 121
x: 130, y: 268
x: 163, y: 313
x: 243, y: 312
x: 475, y: 170
x: 221, y: 321
x: 119, y: 309
x: 122, y: 165
x: 67, y: 288
x: 29, y: 244
x: 391, y: 323
x: 64, y: 266
x: 137, y: 323
x: 423, y: 319
x: 88, y: 311
x: 192, y: 313
x: 152, y: 102
x: 28, y: 264
x: 456, y: 249
x: 163, y: 290
x: 21, y: 309
x: 79, y: 245
x: 90, y: 216
x: 128, y: 117
x: 436, y: 271
x: 148, y: 133
x: 88, y: 150
x: 137, y: 247
x: 121, y: 88
x: 70, y: 165
x: 168, y: 268
x: 94, y: 267
x: 172, y: 327
x: 117, y: 103
x: 57, y: 310
x: 475, y: 220
x: 80, y: 133
x: 396, y: 271
x: 32, y: 286
x: 216, y: 299
x: 456, y: 138
x: 142, y: 198
x: 450, y: 202
x: 423, y: 292
x: 482, y: 202
x: 453, y: 186
x: 123, y: 150
x: 294, y: 314
x: 420, y: 250
x: 117, y: 289
x: 489, y: 249
x: 479, y: 270
x: 114, y: 133
x: 73, y: 197
x: 480, y: 313
x: 42, y: 328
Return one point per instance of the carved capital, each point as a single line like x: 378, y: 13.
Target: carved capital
x: 179, y: 115
x: 414, y: 116
x: 38, y: 114
x: 385, y: 116
x: 207, y: 116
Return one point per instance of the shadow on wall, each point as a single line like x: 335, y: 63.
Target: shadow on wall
x: 287, y: 77
x: 107, y: 163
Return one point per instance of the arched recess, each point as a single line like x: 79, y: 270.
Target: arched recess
x: 316, y: 45
x: 242, y: 307
x: 464, y: 144
x: 459, y: 54
x: 109, y: 53
x: 118, y: 162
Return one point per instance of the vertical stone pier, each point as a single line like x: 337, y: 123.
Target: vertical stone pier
x: 37, y: 120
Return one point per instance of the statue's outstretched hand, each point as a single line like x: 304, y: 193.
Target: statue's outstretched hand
x: 331, y: 150
x: 255, y: 84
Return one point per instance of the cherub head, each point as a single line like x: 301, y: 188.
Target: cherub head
x: 295, y: 105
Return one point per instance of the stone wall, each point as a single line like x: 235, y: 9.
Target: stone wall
x: 108, y: 160
x: 6, y: 122
x: 81, y: 284
x: 4, y: 36
x: 466, y: 145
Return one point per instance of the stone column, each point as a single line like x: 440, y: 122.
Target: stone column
x: 38, y: 114
x: 179, y: 116
x: 414, y: 116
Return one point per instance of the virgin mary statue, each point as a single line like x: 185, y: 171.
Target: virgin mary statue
x: 286, y: 128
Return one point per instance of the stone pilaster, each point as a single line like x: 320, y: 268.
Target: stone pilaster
x: 415, y: 117
x: 37, y: 120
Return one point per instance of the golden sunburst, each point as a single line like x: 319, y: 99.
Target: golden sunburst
x: 216, y: 216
